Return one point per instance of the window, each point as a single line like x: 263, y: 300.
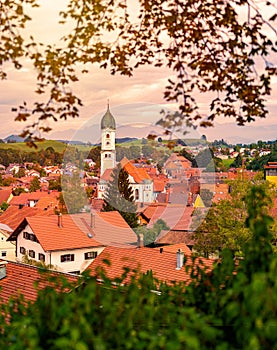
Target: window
x: 90, y: 255
x: 108, y: 136
x: 30, y: 236
x: 41, y: 257
x: 26, y: 235
x: 136, y: 194
x: 67, y: 257
x: 3, y: 253
x: 22, y: 250
x: 32, y: 254
x: 108, y: 143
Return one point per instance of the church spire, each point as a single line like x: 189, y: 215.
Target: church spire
x: 108, y: 121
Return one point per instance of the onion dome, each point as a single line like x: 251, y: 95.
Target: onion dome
x: 108, y: 121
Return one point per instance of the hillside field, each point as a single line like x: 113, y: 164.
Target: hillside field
x: 56, y: 145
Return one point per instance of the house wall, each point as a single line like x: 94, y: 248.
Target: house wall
x: 79, y: 263
x: 7, y: 249
x: 54, y: 258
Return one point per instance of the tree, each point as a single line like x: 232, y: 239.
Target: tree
x: 238, y: 296
x: 119, y: 196
x: 210, y: 47
x: 73, y: 195
x: 55, y: 184
x: 237, y: 163
x: 150, y: 234
x: 4, y: 206
x: 223, y: 226
x: 16, y: 191
x: 147, y: 151
x: 20, y: 173
x: 35, y: 184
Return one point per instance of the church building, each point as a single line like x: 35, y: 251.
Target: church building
x: 108, y: 127
x: 140, y: 181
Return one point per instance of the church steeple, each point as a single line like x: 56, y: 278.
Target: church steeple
x: 108, y: 121
x: 108, y: 127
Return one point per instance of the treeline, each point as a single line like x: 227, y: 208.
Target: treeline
x: 43, y: 157
x: 259, y: 162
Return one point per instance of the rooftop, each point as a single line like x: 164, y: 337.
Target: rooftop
x: 161, y: 262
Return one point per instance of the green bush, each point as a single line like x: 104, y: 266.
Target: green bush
x: 234, y: 307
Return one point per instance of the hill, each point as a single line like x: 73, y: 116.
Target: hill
x: 22, y: 146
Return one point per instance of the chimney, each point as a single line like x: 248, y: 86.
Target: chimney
x: 92, y: 220
x: 60, y: 223
x: 3, y: 270
x: 180, y: 259
x: 140, y: 240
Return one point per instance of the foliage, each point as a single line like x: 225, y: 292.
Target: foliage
x: 34, y: 185
x: 234, y: 307
x: 16, y: 191
x: 237, y: 163
x: 223, y: 226
x: 259, y: 162
x: 4, y: 206
x: 16, y: 155
x: 20, y: 173
x: 207, y: 46
x: 150, y: 234
x: 41, y: 264
x: 55, y: 184
x: 73, y: 195
x: 119, y: 196
x: 95, y: 155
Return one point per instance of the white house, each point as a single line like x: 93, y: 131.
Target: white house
x: 70, y: 242
x: 7, y: 249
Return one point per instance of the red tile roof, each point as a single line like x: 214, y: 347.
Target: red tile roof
x: 78, y: 231
x: 175, y: 237
x: 21, y: 278
x: 24, y: 198
x: 159, y: 185
x: 107, y: 175
x: 177, y: 217
x: 5, y: 195
x: 173, y: 248
x: 138, y: 174
x: 151, y: 209
x: 13, y: 216
x: 163, y: 265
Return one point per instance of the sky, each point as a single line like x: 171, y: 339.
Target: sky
x: 133, y: 101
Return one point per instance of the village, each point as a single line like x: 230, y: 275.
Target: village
x: 39, y: 229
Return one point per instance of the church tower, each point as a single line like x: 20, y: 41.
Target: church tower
x: 108, y: 127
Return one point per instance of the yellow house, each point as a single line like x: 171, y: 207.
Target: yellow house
x: 7, y: 249
x: 199, y: 202
x: 270, y: 172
